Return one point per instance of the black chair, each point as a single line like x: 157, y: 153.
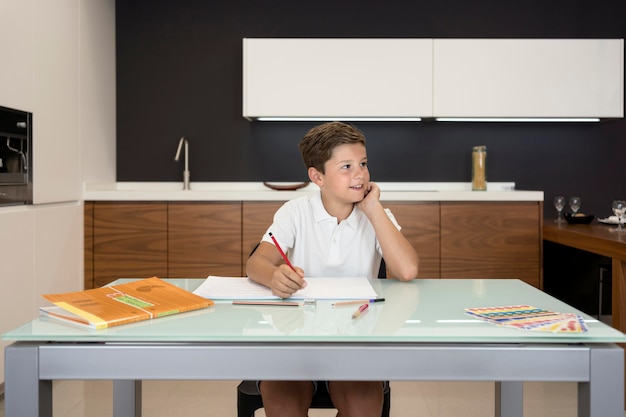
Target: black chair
x: 249, y: 398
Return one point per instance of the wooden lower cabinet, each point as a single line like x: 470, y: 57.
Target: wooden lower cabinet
x: 257, y: 217
x: 491, y: 240
x: 88, y: 245
x: 129, y: 241
x: 420, y: 225
x: 168, y: 240
x: 203, y: 239
x: 197, y: 239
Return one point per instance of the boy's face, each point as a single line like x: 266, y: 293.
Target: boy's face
x: 346, y: 178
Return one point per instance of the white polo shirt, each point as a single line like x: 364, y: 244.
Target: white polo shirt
x: 314, y: 241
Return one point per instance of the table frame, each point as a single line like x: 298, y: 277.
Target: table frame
x: 32, y: 366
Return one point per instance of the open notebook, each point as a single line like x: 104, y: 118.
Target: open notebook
x: 243, y: 288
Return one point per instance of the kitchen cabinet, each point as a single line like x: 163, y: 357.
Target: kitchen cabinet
x: 16, y: 17
x: 168, y: 240
x: 203, y: 239
x: 343, y: 78
x: 48, y: 48
x: 337, y: 77
x: 88, y: 271
x: 492, y: 240
x: 420, y: 224
x: 42, y: 76
x: 41, y: 253
x: 56, y: 113
x: 257, y: 217
x: 196, y: 239
x: 129, y: 241
x: 529, y: 78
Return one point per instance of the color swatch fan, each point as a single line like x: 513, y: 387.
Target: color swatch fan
x: 527, y: 317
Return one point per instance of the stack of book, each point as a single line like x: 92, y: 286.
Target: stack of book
x: 114, y: 305
x: 527, y: 317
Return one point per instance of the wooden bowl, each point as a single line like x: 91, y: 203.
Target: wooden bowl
x: 285, y: 186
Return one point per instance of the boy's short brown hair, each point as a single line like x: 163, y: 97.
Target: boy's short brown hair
x: 317, y: 145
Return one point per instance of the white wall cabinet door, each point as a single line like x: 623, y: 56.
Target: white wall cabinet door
x: 16, y: 41
x: 56, y: 146
x: 529, y: 78
x: 337, y: 77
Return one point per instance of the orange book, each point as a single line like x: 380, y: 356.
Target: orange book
x: 114, y: 305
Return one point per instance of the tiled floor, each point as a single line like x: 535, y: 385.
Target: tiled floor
x: 218, y: 398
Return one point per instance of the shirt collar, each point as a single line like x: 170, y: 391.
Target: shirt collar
x: 320, y: 214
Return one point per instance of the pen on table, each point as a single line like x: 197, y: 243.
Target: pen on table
x: 282, y: 253
x: 266, y: 303
x: 360, y: 311
x: 348, y: 303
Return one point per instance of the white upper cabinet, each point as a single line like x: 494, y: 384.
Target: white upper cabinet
x: 386, y: 78
x: 337, y: 78
x: 529, y: 78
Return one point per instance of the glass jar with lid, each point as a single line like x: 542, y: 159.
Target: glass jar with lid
x: 479, y: 169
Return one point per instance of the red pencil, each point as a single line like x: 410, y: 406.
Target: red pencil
x: 360, y: 311
x: 282, y: 253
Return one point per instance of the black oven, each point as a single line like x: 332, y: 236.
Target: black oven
x: 16, y: 187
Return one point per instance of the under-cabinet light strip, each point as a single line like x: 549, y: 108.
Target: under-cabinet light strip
x: 517, y: 119
x: 346, y: 119
x: 439, y: 119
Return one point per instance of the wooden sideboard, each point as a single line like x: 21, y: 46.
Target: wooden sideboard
x: 603, y: 240
x: 195, y: 239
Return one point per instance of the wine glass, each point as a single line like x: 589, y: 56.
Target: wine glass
x: 619, y: 207
x: 559, y: 205
x: 574, y: 204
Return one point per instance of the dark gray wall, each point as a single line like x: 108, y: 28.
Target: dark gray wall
x: 179, y: 71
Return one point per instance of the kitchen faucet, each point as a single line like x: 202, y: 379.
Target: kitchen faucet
x: 177, y: 157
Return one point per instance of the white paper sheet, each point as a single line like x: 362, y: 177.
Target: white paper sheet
x: 243, y: 288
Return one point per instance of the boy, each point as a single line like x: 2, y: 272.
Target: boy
x: 341, y: 231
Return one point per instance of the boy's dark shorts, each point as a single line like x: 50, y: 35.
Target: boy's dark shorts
x: 316, y: 383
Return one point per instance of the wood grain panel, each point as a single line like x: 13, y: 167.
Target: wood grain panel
x: 595, y: 238
x: 204, y: 239
x: 420, y: 225
x: 257, y: 217
x: 88, y: 245
x: 491, y: 240
x: 130, y: 240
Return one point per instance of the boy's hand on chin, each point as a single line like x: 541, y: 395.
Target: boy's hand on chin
x: 372, y: 197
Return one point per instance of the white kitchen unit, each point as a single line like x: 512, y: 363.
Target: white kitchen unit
x: 42, y: 77
x: 337, y: 78
x: 56, y: 146
x: 52, y: 46
x: 41, y: 249
x: 16, y: 75
x: 17, y: 283
x: 529, y: 78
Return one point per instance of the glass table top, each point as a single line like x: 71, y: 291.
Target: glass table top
x: 421, y: 311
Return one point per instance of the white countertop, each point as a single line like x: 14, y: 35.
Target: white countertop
x: 256, y: 191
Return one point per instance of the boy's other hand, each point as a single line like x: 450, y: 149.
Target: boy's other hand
x: 285, y: 281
